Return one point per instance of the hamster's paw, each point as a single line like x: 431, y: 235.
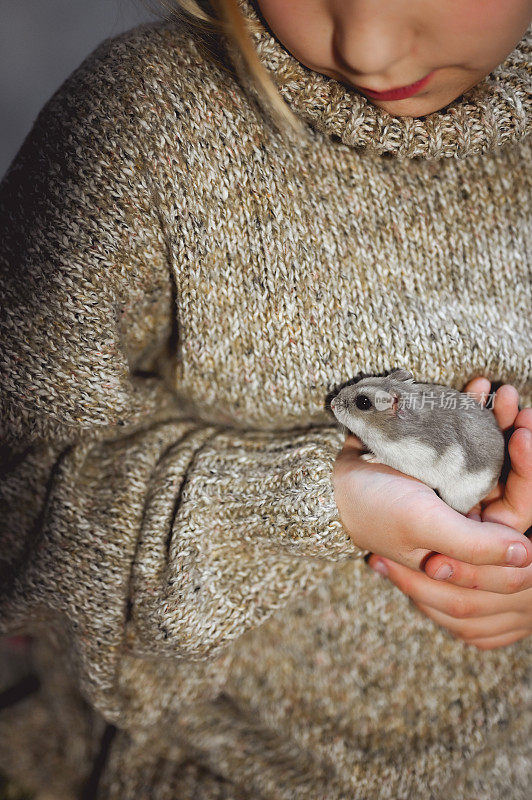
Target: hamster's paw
x: 370, y: 457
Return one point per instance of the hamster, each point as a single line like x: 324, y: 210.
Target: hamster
x: 434, y: 433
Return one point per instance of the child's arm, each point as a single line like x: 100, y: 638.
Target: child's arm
x: 141, y: 529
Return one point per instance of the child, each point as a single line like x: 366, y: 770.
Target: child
x: 186, y: 279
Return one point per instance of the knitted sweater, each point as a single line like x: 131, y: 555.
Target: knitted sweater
x: 184, y: 284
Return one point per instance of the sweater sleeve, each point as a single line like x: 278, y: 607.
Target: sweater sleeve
x: 139, y: 526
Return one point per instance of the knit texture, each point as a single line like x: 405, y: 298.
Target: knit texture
x: 184, y: 286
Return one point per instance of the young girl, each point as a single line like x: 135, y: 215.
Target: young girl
x: 209, y: 229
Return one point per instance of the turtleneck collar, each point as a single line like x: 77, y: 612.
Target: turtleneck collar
x: 495, y: 112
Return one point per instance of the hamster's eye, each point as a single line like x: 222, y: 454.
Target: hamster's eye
x: 363, y: 402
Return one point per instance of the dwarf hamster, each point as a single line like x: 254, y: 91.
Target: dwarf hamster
x: 434, y: 433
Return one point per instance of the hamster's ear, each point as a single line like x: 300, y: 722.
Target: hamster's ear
x: 401, y: 375
x: 397, y: 410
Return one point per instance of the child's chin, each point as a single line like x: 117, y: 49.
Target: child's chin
x: 417, y: 106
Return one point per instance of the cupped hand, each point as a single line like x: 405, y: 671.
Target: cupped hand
x: 487, y: 605
x: 400, y: 518
x: 509, y: 503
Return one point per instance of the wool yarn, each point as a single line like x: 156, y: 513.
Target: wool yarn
x: 183, y: 287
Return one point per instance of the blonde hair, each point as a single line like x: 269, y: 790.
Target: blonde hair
x: 224, y: 16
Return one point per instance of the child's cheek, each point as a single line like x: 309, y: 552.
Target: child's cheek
x: 489, y: 25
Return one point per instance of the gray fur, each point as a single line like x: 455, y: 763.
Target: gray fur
x: 439, y: 417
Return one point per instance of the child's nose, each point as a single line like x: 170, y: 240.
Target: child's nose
x: 371, y: 40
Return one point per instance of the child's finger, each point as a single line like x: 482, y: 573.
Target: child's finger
x: 479, y: 388
x: 475, y: 512
x: 477, y: 627
x: 506, y: 405
x: 452, y: 600
x: 439, y: 528
x: 491, y: 642
x: 501, y: 580
x: 524, y: 419
x: 495, y: 494
x: 514, y: 508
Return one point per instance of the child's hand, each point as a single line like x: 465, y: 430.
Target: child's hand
x: 400, y: 518
x: 484, y: 619
x: 510, y: 502
x: 486, y: 605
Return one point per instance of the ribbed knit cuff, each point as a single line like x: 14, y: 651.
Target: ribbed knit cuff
x: 276, y: 489
x: 254, y: 523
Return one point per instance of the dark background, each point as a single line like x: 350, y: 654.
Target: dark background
x: 41, y: 43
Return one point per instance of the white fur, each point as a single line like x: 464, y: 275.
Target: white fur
x: 447, y: 473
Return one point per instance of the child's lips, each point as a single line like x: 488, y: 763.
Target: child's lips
x: 400, y: 92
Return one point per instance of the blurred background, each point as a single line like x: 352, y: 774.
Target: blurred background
x: 41, y: 43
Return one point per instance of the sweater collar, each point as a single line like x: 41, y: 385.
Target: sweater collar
x: 495, y: 112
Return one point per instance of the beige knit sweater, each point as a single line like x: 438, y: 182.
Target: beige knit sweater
x: 183, y: 286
